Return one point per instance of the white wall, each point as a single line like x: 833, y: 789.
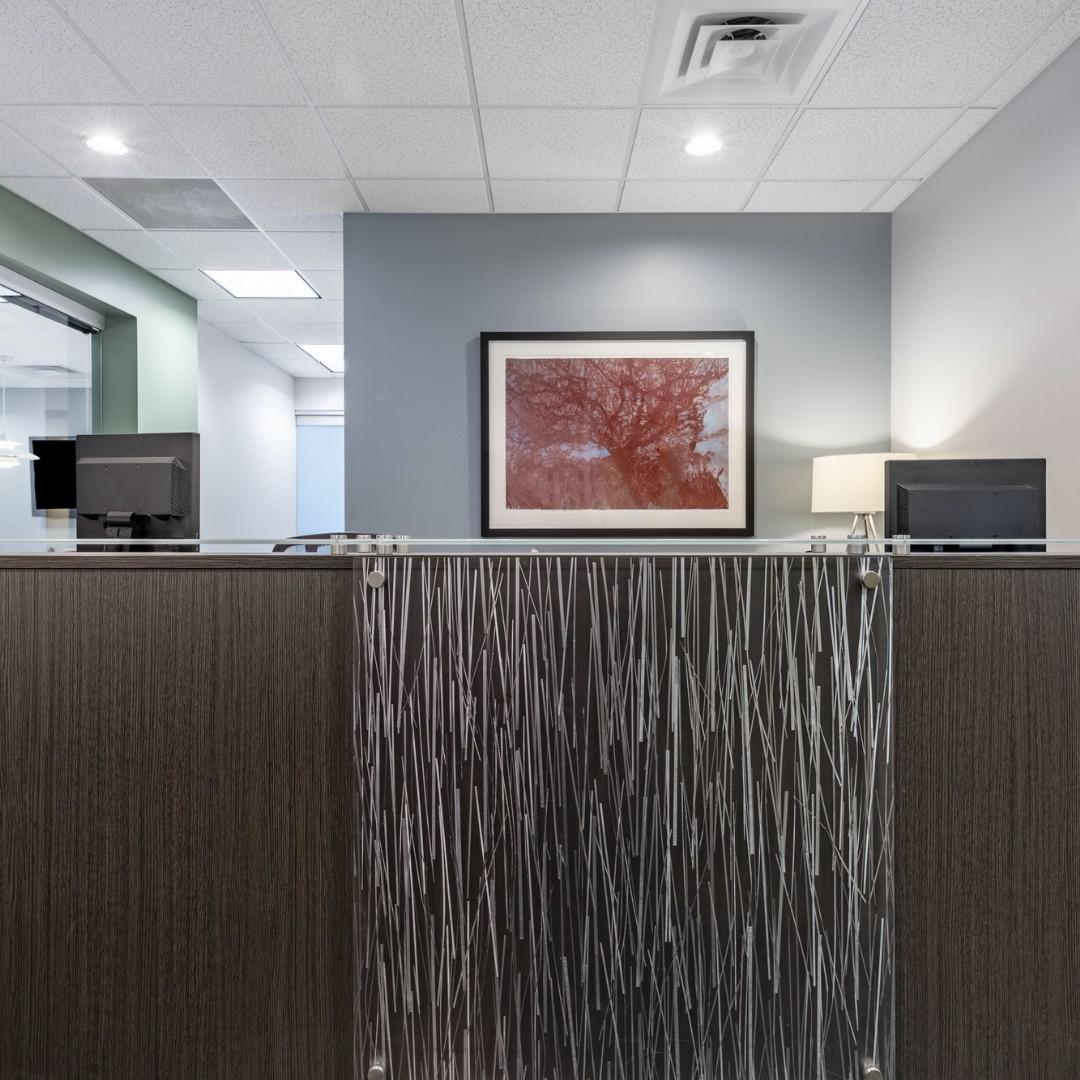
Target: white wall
x: 320, y: 395
x: 248, y: 442
x: 986, y: 295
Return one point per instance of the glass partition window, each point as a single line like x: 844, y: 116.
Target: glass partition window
x: 45, y: 368
x: 320, y: 476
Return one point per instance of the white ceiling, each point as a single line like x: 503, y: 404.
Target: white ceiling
x: 305, y: 109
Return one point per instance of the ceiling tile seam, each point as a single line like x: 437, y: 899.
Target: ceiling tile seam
x: 627, y: 158
x: 44, y: 153
x: 152, y: 110
x: 678, y: 106
x: 108, y: 202
x: 1027, y: 44
x: 287, y: 61
x: 878, y: 197
x: 640, y: 105
x: 811, y: 90
x: 474, y: 100
x: 903, y: 173
x: 972, y: 102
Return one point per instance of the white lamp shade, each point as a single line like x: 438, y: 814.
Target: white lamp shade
x: 851, y: 483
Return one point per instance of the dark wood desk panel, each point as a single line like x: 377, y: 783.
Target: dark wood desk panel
x: 988, y: 819
x: 176, y: 848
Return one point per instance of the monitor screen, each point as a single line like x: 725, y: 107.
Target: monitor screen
x: 54, y: 473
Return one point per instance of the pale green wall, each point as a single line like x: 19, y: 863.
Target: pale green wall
x: 147, y: 375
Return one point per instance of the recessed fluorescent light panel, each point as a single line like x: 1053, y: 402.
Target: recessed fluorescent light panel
x: 4, y: 291
x: 332, y: 357
x: 263, y: 284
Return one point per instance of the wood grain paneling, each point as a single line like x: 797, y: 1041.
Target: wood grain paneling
x: 988, y: 823
x: 175, y: 843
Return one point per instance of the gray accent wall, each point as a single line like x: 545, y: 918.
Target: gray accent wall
x: 986, y: 295
x: 419, y: 290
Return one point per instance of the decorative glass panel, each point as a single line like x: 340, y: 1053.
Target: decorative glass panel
x: 623, y: 817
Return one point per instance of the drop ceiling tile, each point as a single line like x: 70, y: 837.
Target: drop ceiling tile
x: 940, y: 152
x: 400, y: 143
x: 1062, y: 33
x: 311, y: 333
x: 43, y: 58
x: 561, y: 52
x: 72, y: 201
x: 194, y: 283
x: 370, y: 52
x: 820, y: 196
x: 250, y: 332
x: 197, y: 51
x: 329, y: 284
x: 555, y: 196
x: 236, y: 141
x: 311, y: 251
x: 229, y: 310
x: 62, y: 130
x: 560, y: 144
x: 915, y: 54
x: 857, y: 144
x: 19, y: 157
x: 425, y: 196
x: 138, y: 246
x: 290, y: 358
x: 219, y: 250
x: 278, y: 350
x: 295, y: 205
x: 297, y: 311
x: 894, y: 195
x: 749, y: 136
x: 685, y: 196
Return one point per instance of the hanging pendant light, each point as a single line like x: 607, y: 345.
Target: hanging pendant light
x: 11, y: 456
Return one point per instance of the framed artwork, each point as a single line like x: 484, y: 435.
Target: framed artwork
x: 620, y: 434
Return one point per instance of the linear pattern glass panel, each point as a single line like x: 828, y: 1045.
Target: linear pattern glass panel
x: 623, y: 817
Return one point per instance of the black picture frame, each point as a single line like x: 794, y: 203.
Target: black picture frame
x: 487, y: 337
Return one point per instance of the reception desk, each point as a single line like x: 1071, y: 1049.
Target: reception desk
x: 734, y: 814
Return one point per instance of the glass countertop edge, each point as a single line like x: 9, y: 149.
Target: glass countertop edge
x: 546, y: 546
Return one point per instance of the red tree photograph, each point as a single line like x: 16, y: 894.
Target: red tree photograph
x: 617, y: 433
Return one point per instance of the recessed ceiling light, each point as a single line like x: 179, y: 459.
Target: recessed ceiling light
x: 263, y: 284
x: 703, y: 145
x: 107, y: 144
x: 332, y: 357
x: 5, y: 291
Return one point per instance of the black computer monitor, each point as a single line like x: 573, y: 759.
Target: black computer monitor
x: 965, y: 500
x: 52, y: 476
x: 138, y: 487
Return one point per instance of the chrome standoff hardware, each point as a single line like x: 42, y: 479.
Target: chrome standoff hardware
x: 377, y: 1071
x: 376, y: 579
x: 869, y: 579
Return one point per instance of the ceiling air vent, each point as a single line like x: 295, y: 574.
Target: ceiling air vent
x: 711, y: 53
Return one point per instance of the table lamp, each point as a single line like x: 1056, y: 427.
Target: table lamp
x: 852, y: 484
